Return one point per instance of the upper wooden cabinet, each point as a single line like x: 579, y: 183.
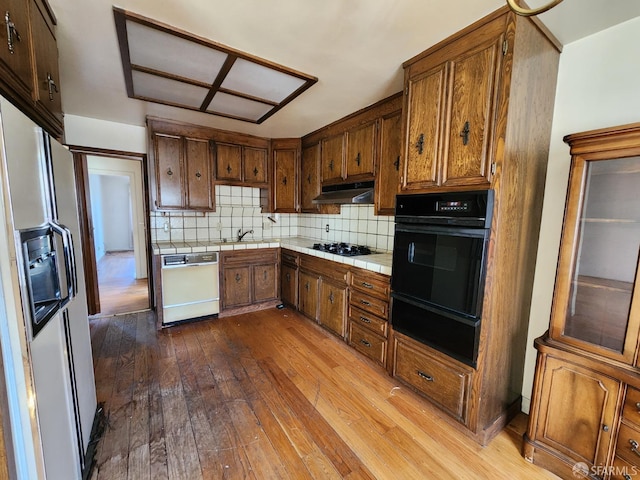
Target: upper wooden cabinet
x: 388, y: 171
x: 332, y: 159
x: 286, y: 157
x: 242, y: 164
x: 309, y: 178
x: 182, y: 172
x: 361, y: 150
x: 450, y: 110
x: 29, y: 74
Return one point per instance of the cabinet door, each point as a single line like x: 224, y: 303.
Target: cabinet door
x: 309, y: 178
x: 361, y: 149
x: 228, y: 162
x: 577, y: 411
x: 388, y: 168
x: 333, y: 307
x: 15, y: 45
x: 597, y: 301
x: 236, y: 286
x: 255, y: 165
x: 198, y: 172
x: 285, y: 180
x: 473, y: 80
x: 332, y: 151
x: 425, y: 107
x: 169, y: 171
x: 265, y: 286
x: 308, y: 294
x: 47, y: 77
x: 289, y: 285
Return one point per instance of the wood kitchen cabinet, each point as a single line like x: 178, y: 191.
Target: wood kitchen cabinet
x: 361, y: 152
x: 584, y: 406
x: 286, y: 155
x: 332, y: 306
x: 309, y: 178
x: 308, y: 285
x: 249, y: 280
x: 451, y: 96
x: 332, y: 159
x: 29, y: 74
x: 241, y: 164
x: 289, y: 278
x: 183, y: 176
x: 387, y: 184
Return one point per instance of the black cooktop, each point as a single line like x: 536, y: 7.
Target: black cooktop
x: 344, y: 249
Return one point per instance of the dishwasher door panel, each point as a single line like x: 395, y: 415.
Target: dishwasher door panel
x: 189, y: 291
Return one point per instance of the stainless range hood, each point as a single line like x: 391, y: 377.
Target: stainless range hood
x: 361, y: 192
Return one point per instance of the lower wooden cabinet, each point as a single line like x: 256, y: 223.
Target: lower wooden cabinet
x: 308, y: 294
x: 249, y: 278
x: 367, y: 342
x: 439, y: 378
x: 333, y: 306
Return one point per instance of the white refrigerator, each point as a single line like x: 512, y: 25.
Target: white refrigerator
x: 42, y: 192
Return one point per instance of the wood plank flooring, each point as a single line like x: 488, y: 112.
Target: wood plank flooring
x: 120, y: 291
x: 270, y: 395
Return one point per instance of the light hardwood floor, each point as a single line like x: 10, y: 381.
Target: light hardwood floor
x: 270, y: 395
x: 120, y: 291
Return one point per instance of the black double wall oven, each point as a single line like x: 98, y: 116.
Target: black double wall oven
x: 439, y: 261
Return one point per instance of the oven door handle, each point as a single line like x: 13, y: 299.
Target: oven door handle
x: 454, y: 231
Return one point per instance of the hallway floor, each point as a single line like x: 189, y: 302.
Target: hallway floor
x: 120, y: 292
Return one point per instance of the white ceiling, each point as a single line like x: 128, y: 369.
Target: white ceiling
x: 354, y: 47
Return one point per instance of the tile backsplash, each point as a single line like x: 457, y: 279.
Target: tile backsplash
x: 238, y: 208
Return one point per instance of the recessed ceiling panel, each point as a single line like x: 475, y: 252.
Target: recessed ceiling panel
x: 165, y: 90
x: 262, y: 82
x: 238, y: 107
x: 165, y: 65
x: 156, y: 50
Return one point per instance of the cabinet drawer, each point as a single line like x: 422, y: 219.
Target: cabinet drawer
x: 446, y: 384
x: 628, y: 444
x: 368, y: 321
x: 367, y: 342
x: 289, y: 258
x: 369, y: 304
x: 371, y: 283
x: 623, y: 470
x: 631, y: 411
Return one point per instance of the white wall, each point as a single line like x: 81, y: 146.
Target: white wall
x: 116, y: 213
x: 91, y: 132
x: 597, y: 87
x: 95, y: 188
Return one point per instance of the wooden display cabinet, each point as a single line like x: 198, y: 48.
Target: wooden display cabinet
x: 585, y: 399
x: 286, y: 158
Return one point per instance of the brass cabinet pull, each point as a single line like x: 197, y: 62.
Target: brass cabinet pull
x: 364, y: 302
x: 306, y: 286
x: 634, y: 446
x: 169, y: 172
x: 288, y: 277
x: 331, y: 298
x: 365, y: 343
x: 284, y: 180
x: 367, y: 285
x: 465, y: 133
x: 365, y: 319
x: 52, y: 86
x: 264, y: 274
x: 309, y: 179
x: 238, y: 277
x: 358, y: 159
x: 198, y: 174
x: 331, y: 165
x: 12, y: 33
x: 420, y: 144
x: 228, y: 168
x: 638, y: 406
x: 428, y: 378
x: 397, y: 163
x: 255, y: 171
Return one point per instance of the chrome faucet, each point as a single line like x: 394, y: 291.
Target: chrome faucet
x: 241, y: 235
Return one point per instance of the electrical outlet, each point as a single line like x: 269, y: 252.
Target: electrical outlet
x: 326, y: 228
x: 166, y: 227
x: 266, y: 225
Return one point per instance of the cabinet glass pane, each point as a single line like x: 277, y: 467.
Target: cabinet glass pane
x: 606, y: 254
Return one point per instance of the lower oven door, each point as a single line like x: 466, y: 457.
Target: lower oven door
x: 441, y: 266
x: 451, y: 334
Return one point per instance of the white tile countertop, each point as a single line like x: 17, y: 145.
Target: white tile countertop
x: 376, y: 262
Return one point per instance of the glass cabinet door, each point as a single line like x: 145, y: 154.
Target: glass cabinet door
x: 593, y: 306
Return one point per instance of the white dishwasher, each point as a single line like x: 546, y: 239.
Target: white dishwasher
x: 190, y: 286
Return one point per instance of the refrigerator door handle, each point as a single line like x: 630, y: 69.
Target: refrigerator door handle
x: 70, y: 274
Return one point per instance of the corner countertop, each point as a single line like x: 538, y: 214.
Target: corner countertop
x: 376, y: 262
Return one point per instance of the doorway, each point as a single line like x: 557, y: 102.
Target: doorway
x: 114, y: 221
x: 115, y: 187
